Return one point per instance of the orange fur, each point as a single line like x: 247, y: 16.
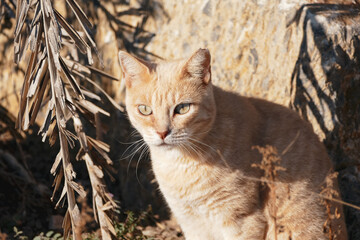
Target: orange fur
x: 203, y: 165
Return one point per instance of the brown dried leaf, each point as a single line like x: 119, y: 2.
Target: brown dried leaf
x: 60, y: 115
x: 80, y: 132
x: 38, y: 73
x: 53, y: 133
x: 46, y: 65
x: 86, y: 25
x: 100, y: 149
x: 78, y: 188
x: 80, y: 13
x: 70, y: 137
x: 21, y: 14
x: 107, y: 206
x: 99, y: 143
x: 72, y: 65
x: 24, y: 91
x: 26, y: 119
x: 38, y: 99
x: 109, y: 225
x: 36, y: 31
x: 90, y: 94
x: 102, y: 73
x: 93, y: 169
x: 56, y: 163
x: 98, y: 197
x: 79, y: 42
x: 69, y: 174
x: 112, y: 101
x: 18, y: 4
x: 67, y: 225
x: 36, y: 20
x: 63, y: 193
x: 56, y: 183
x: 45, y: 127
x: 92, y: 107
x: 71, y: 79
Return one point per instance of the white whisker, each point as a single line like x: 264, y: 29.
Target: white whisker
x: 145, y: 150
x: 204, y: 144
x: 133, y: 154
x: 132, y: 145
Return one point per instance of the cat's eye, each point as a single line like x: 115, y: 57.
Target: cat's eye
x: 145, y: 110
x: 182, y: 108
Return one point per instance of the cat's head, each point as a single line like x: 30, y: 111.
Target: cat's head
x: 171, y: 104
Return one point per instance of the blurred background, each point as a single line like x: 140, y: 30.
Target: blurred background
x: 302, y: 54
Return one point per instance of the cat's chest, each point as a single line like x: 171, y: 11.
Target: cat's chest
x: 182, y: 177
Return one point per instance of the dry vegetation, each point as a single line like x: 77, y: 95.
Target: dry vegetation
x: 271, y: 165
x: 60, y: 84
x: 330, y: 193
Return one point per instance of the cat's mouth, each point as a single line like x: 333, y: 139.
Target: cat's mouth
x: 164, y: 145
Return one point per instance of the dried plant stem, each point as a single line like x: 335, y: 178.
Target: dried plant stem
x: 270, y: 164
x: 328, y: 191
x: 73, y: 209
x: 98, y: 201
x: 49, y: 77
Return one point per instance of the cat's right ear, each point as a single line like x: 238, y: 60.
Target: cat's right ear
x: 198, y: 66
x: 133, y: 69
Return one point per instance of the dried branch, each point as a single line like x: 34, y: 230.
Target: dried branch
x: 54, y: 82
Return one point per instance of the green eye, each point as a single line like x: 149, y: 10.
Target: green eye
x: 144, y: 110
x: 182, y: 108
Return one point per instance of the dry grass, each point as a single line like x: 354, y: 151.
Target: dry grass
x: 270, y: 164
x: 329, y: 192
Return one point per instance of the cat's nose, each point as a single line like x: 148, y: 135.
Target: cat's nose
x: 163, y: 134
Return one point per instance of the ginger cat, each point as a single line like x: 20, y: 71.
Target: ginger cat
x: 201, y: 141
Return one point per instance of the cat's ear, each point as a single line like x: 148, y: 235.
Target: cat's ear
x: 198, y: 66
x: 133, y: 68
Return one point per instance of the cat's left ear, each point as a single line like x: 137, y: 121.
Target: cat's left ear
x: 198, y: 66
x: 133, y: 68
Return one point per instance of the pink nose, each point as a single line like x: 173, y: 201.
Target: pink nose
x: 163, y: 134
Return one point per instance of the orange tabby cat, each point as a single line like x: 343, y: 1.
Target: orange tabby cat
x: 201, y: 142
